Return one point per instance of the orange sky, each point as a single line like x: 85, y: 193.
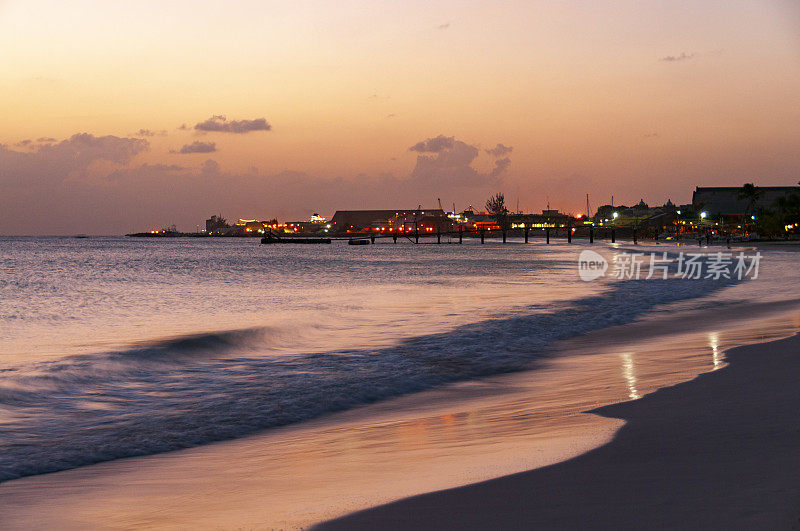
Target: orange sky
x: 636, y: 99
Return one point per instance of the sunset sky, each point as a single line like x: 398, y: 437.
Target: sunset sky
x: 125, y: 116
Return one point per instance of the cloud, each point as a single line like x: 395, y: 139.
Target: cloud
x: 47, y: 139
x: 24, y: 143
x: 392, y: 115
x: 650, y: 135
x: 150, y: 132
x: 220, y: 124
x: 94, y: 185
x: 445, y: 162
x: 499, y: 150
x: 434, y: 145
x: 210, y: 168
x: 197, y: 147
x: 443, y: 26
x: 145, y: 171
x: 500, y: 167
x: 675, y: 58
x: 70, y: 158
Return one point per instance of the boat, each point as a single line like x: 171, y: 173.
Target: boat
x: 358, y: 241
x: 273, y: 238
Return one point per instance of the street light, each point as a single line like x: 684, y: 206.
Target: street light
x: 616, y: 215
x: 703, y: 215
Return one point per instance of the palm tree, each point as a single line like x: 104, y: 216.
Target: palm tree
x: 496, y: 206
x: 752, y: 194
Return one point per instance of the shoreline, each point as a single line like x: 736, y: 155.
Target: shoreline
x: 716, y: 451
x: 441, y: 439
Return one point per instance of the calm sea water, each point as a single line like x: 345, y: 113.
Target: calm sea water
x: 114, y: 347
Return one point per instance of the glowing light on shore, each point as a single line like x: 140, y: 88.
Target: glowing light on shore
x: 716, y: 356
x: 629, y: 375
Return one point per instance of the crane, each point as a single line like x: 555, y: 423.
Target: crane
x: 440, y: 204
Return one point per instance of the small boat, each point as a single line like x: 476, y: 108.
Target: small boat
x: 272, y: 238
x: 358, y: 241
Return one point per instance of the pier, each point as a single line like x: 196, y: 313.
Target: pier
x: 584, y: 234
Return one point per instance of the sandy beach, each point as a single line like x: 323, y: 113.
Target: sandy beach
x: 468, y: 433
x: 716, y: 452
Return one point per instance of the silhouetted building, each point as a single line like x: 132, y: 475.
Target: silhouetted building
x: 216, y: 222
x: 727, y: 200
x: 548, y: 218
x: 363, y: 220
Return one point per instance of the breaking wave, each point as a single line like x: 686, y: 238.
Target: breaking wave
x: 198, y: 389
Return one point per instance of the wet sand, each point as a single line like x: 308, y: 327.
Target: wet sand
x: 720, y: 451
x: 458, y: 435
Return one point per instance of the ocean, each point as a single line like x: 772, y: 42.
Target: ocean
x: 114, y: 347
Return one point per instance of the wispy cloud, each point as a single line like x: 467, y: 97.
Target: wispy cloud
x: 650, y: 135
x: 675, y: 58
x: 220, y: 124
x: 197, y: 147
x: 149, y: 132
x: 443, y: 26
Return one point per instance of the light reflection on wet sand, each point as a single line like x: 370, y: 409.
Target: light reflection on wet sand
x: 629, y: 375
x: 716, y: 355
x: 465, y: 433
